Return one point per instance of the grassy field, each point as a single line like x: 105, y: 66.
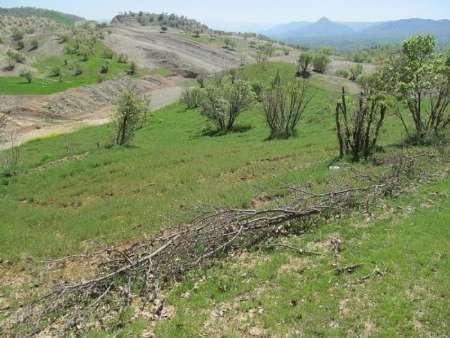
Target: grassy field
x: 71, y: 190
x: 158, y: 182
x: 43, y: 84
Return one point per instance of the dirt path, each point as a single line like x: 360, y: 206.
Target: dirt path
x: 32, y: 117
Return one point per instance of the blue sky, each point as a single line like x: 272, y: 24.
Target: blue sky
x: 262, y: 12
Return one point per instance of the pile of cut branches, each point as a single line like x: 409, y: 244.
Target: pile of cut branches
x: 141, y: 269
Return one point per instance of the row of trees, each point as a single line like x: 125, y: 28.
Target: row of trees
x: 416, y: 81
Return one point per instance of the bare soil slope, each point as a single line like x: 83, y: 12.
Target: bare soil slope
x: 150, y: 48
x: 36, y: 116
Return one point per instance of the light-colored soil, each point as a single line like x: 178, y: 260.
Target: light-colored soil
x: 31, y: 117
x: 330, y: 75
x: 149, y: 48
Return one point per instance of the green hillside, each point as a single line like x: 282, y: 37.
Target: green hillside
x: 63, y: 18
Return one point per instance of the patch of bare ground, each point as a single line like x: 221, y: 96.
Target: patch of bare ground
x: 150, y: 48
x: 31, y: 117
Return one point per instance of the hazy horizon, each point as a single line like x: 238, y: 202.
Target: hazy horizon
x: 256, y: 15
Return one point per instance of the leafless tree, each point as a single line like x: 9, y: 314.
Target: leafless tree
x: 358, y: 130
x: 284, y: 106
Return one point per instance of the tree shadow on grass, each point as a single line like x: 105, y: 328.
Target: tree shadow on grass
x: 242, y: 128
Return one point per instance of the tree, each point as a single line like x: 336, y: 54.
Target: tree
x: 304, y: 61
x: 192, y: 97
x: 27, y: 76
x: 132, y: 70
x: 420, y: 79
x: 358, y: 130
x: 229, y: 44
x: 284, y: 106
x: 130, y: 116
x: 34, y: 44
x: 224, y: 100
x: 355, y: 72
x: 321, y: 62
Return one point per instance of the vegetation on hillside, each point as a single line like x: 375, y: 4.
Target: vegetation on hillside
x: 27, y: 12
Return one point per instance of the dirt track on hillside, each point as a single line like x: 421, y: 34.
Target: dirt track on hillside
x: 31, y: 117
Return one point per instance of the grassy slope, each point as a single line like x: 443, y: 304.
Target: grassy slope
x: 43, y: 84
x: 285, y: 295
x: 119, y: 193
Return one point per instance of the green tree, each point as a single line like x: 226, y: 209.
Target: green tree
x: 224, y: 100
x: 304, y: 62
x: 27, y: 76
x: 130, y: 116
x: 321, y: 62
x: 420, y: 79
x: 284, y: 106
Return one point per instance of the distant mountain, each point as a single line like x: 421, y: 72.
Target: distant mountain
x: 63, y: 18
x: 349, y: 35
x: 403, y: 28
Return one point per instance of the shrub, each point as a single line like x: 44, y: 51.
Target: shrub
x: 258, y: 88
x: 284, y: 106
x: 122, y: 58
x: 104, y: 68
x: 342, y: 73
x: 55, y: 72
x: 15, y: 57
x: 77, y: 70
x: 130, y: 116
x: 304, y: 61
x: 27, y: 76
x: 17, y: 35
x: 20, y: 45
x: 107, y: 53
x: 192, y: 97
x: 84, y: 56
x: 229, y: 44
x: 164, y: 29
x: 224, y: 100
x: 34, y: 44
x: 355, y: 72
x: 321, y: 62
x: 132, y: 70
x: 358, y: 131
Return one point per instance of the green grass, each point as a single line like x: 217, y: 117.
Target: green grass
x: 43, y: 84
x: 70, y: 190
x: 286, y: 295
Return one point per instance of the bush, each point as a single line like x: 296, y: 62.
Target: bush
x: 107, y: 53
x: 104, y: 68
x: 15, y: 57
x: 132, y: 70
x: 304, y: 61
x: 355, y: 72
x: 17, y: 35
x: 77, y: 70
x: 20, y: 45
x: 358, y: 131
x: 224, y: 100
x: 27, y: 76
x: 34, y: 44
x: 55, y: 72
x: 258, y: 88
x: 321, y: 62
x: 130, y: 116
x: 122, y: 58
x: 342, y: 73
x: 192, y: 97
x: 164, y: 29
x: 84, y: 56
x: 284, y: 106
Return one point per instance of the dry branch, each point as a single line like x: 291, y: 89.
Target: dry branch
x: 139, y: 270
